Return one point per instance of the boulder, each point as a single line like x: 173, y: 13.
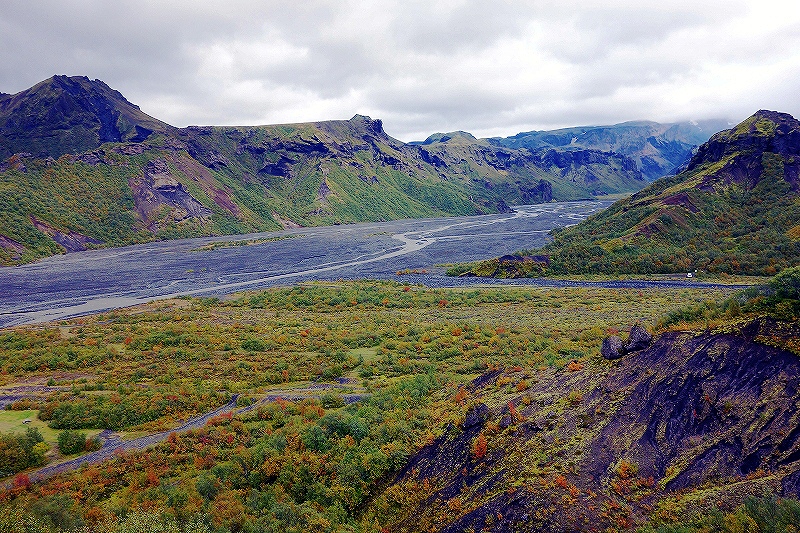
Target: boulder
x: 612, y: 348
x: 638, y: 339
x: 476, y: 416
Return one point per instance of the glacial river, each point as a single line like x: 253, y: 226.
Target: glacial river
x: 97, y: 280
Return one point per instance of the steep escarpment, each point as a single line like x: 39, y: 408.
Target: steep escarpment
x: 531, y: 176
x: 695, y: 419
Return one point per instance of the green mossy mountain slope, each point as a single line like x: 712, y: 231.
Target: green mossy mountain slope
x: 80, y: 166
x: 734, y: 210
x: 69, y: 115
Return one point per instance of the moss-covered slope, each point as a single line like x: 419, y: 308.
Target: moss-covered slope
x: 735, y: 209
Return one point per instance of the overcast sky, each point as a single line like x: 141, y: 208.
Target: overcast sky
x: 488, y: 67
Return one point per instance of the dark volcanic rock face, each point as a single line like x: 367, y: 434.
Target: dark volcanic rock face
x: 638, y: 339
x: 159, y: 188
x: 612, y: 348
x: 69, y: 240
x: 717, y: 410
x: 704, y: 407
x: 740, y: 150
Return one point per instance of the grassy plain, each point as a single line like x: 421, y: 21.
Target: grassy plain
x: 12, y: 422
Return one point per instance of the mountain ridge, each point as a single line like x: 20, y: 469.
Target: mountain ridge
x: 658, y: 149
x: 212, y: 180
x: 70, y: 115
x: 734, y: 210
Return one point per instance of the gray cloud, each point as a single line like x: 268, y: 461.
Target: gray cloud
x: 493, y: 68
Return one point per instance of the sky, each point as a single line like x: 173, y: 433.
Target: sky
x: 491, y: 67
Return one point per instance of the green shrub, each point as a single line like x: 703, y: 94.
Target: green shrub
x: 787, y: 284
x: 71, y: 442
x: 18, y: 452
x: 767, y: 514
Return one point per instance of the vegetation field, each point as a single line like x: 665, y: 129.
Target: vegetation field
x: 309, y: 465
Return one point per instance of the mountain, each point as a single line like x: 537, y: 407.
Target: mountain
x: 64, y: 115
x: 735, y: 209
x: 689, y: 421
x: 80, y: 167
x: 657, y: 149
x: 531, y: 176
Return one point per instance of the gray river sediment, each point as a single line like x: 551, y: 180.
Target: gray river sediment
x: 97, y: 280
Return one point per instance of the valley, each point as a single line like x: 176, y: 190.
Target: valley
x: 318, y: 327
x: 81, y: 167
x: 97, y: 280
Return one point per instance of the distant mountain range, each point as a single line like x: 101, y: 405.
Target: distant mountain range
x: 80, y: 166
x: 735, y: 209
x: 657, y: 149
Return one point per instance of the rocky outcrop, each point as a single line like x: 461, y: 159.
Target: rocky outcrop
x: 712, y: 417
x: 743, y: 147
x: 157, y: 187
x: 502, y: 207
x: 323, y: 191
x: 701, y: 414
x: 15, y: 162
x: 638, y: 339
x: 612, y: 348
x: 69, y: 240
x: 543, y: 192
x: 13, y: 248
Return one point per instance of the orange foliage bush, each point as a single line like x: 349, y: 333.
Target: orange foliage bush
x: 574, y: 366
x: 626, y: 469
x: 479, y: 447
x: 461, y: 395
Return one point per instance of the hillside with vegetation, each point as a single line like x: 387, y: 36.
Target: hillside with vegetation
x: 734, y: 210
x: 525, y: 176
x: 82, y: 167
x: 376, y: 406
x: 70, y: 115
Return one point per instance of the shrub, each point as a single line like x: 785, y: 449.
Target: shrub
x: 18, y: 452
x: 479, y: 447
x: 254, y: 345
x: 59, y: 510
x: 787, y: 284
x: 71, y: 442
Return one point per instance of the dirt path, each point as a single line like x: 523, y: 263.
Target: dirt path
x: 116, y: 446
x: 113, y: 446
